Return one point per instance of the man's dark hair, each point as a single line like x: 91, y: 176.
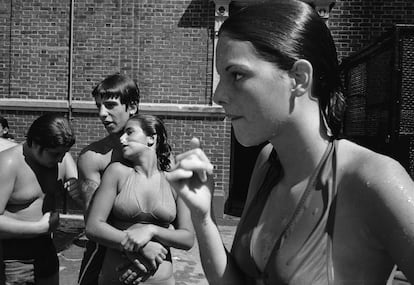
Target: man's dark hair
x: 118, y: 86
x: 51, y: 130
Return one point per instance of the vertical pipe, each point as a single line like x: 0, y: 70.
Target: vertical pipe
x: 10, y: 46
x: 70, y: 80
x: 70, y: 58
x: 220, y: 14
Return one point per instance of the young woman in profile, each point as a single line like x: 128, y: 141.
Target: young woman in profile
x: 320, y: 210
x: 135, y: 204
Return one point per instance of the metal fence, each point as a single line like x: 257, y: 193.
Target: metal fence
x: 379, y: 87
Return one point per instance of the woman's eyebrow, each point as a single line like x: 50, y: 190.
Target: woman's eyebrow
x: 237, y: 65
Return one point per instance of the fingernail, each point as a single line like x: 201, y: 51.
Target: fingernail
x: 195, y: 142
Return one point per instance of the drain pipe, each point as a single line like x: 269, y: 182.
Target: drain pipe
x: 72, y: 4
x: 70, y: 80
x: 10, y: 47
x: 221, y: 13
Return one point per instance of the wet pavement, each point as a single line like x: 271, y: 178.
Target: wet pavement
x: 69, y: 241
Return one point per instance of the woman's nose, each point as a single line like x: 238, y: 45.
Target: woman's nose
x: 220, y: 97
x: 122, y: 139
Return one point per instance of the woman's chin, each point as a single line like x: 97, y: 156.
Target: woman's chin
x: 126, y: 154
x: 246, y: 141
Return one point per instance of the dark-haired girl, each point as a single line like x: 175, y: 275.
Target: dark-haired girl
x: 135, y: 205
x: 320, y: 210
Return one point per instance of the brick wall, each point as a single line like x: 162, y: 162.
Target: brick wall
x: 357, y: 23
x: 36, y: 54
x: 165, y: 45
x: 4, y: 46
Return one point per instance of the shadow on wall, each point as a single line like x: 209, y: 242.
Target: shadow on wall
x: 199, y: 14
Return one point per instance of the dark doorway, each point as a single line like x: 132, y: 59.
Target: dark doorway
x: 242, y: 162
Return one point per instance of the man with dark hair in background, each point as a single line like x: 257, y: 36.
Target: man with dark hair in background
x: 29, y: 179
x: 117, y: 98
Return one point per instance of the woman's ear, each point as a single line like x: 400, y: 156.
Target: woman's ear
x: 301, y: 73
x: 151, y: 140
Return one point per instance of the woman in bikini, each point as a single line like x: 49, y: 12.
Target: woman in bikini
x: 135, y: 205
x: 320, y: 210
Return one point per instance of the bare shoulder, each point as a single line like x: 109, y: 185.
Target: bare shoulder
x: 96, y: 156
x: 118, y: 167
x: 368, y: 166
x: 117, y: 171
x: 376, y: 193
x: 11, y: 158
x: 5, y: 144
x: 101, y: 146
x: 372, y: 178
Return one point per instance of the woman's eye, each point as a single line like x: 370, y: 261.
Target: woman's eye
x: 237, y: 76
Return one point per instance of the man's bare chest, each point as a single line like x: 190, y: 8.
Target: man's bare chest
x: 31, y: 184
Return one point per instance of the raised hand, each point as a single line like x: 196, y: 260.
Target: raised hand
x: 191, y: 178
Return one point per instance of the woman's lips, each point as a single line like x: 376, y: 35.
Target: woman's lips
x: 233, y: 117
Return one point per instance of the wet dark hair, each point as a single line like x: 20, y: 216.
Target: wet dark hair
x: 118, y: 86
x: 51, y: 130
x: 285, y: 31
x: 152, y: 125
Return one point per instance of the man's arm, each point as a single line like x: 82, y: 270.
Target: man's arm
x: 67, y: 168
x: 68, y: 173
x: 13, y: 228
x: 89, y: 177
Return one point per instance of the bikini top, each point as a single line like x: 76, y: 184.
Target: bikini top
x: 300, y: 252
x: 130, y: 207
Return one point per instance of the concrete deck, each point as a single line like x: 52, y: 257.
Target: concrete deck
x: 187, y: 265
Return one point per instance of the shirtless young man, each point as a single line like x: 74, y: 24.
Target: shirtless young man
x: 29, y: 180
x: 67, y: 172
x: 117, y: 98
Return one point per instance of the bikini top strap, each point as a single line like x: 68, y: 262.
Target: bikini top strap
x: 306, y: 195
